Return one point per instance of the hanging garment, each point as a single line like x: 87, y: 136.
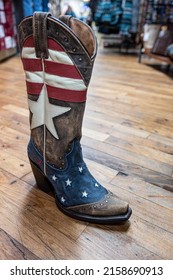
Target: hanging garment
x: 29, y: 7
x: 126, y: 19
x: 159, y: 12
x: 93, y: 6
x: 135, y: 16
x: 108, y: 12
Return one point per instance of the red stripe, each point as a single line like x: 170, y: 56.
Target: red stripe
x: 62, y: 70
x: 33, y: 88
x: 52, y: 45
x: 32, y: 65
x: 57, y: 93
x: 66, y: 95
x: 53, y: 68
x: 29, y: 42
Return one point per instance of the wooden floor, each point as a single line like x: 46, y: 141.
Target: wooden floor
x: 128, y: 146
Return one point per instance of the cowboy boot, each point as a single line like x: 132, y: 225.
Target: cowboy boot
x: 58, y: 57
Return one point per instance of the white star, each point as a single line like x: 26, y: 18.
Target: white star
x: 80, y: 169
x: 44, y: 112
x: 84, y: 194
x: 54, y: 177
x: 96, y: 185
x: 62, y: 199
x: 68, y: 182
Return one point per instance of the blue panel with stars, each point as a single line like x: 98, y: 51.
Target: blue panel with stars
x: 73, y: 185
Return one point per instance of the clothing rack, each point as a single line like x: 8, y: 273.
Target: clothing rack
x: 159, y: 11
x: 159, y: 15
x: 117, y: 22
x: 121, y: 22
x: 7, y: 30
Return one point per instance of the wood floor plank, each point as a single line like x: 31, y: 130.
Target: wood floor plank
x: 127, y: 168
x: 158, y: 143
x: 129, y: 156
x: 111, y: 124
x: 152, y: 113
x: 161, y: 139
x: 110, y: 246
x: 13, y: 164
x: 16, y: 109
x: 140, y: 149
x: 92, y: 134
x: 12, y: 249
x: 144, y: 189
x: 145, y: 123
x: 149, y: 211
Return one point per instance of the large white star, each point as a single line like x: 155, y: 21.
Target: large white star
x: 44, y: 112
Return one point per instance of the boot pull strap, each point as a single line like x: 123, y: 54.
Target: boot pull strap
x: 65, y: 19
x: 40, y: 34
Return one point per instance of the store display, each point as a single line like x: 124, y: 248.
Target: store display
x: 151, y: 32
x: 118, y: 21
x: 159, y: 11
x: 163, y: 40
x: 56, y: 98
x: 7, y: 29
x: 117, y: 16
x: 157, y: 31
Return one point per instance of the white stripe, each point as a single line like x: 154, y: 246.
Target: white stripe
x: 34, y: 77
x: 55, y: 56
x: 55, y: 81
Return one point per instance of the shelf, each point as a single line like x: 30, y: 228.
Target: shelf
x: 7, y: 53
x: 155, y: 56
x: 159, y: 57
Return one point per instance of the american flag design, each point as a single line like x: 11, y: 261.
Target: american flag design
x: 60, y: 76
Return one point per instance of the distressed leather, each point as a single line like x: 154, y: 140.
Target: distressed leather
x: 82, y: 53
x: 40, y: 34
x: 71, y: 121
x: 83, y: 32
x: 60, y: 32
x: 110, y: 205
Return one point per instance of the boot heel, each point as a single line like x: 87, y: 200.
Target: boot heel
x: 40, y: 178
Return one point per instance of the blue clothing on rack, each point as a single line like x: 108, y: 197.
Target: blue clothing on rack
x: 29, y: 7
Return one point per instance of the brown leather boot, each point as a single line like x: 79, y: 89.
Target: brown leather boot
x: 58, y: 57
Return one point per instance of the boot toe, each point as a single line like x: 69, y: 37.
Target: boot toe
x: 111, y: 205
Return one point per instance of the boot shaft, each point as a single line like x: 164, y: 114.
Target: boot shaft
x: 58, y: 57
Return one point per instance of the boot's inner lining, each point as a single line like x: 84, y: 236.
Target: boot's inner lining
x: 84, y: 34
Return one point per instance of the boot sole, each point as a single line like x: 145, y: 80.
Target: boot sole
x: 45, y: 185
